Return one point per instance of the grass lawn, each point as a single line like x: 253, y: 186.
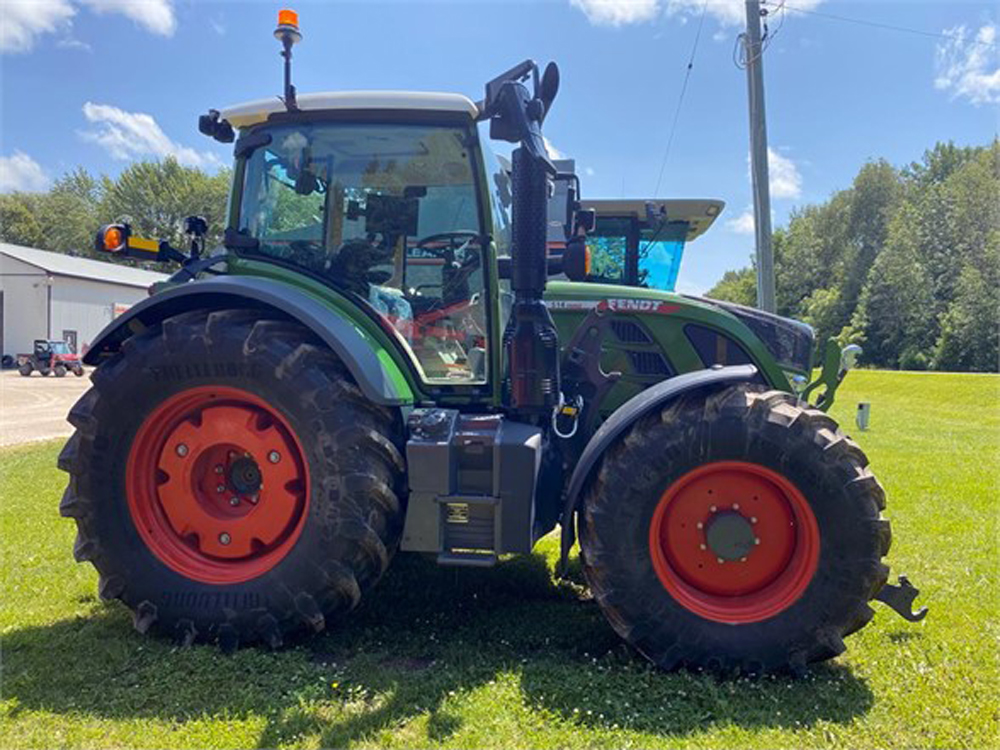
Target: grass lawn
x: 508, y: 656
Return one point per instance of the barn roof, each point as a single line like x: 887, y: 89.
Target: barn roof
x: 59, y: 264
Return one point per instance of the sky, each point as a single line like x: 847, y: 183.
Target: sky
x: 99, y: 83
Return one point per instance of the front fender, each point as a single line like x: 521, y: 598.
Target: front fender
x: 377, y: 376
x: 623, y: 418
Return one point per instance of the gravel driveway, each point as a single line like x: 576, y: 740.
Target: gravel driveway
x: 35, y: 408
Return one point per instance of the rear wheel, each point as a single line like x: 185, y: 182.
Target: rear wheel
x: 250, y: 490
x: 78, y: 371
x: 59, y: 371
x: 735, y: 531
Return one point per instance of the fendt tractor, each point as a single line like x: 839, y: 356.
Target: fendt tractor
x: 376, y: 361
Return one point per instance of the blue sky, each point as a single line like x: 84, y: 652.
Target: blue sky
x: 100, y: 82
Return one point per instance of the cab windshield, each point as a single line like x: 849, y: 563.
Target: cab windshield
x: 388, y: 212
x: 623, y: 252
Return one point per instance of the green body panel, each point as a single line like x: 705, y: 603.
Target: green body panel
x: 663, y: 315
x: 387, y: 353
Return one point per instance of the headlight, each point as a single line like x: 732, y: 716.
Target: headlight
x: 790, y: 342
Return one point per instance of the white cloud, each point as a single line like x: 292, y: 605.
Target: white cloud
x: 135, y: 135
x: 74, y: 43
x: 968, y: 65
x: 22, y: 21
x: 21, y: 172
x: 617, y: 12
x: 157, y: 16
x: 726, y: 12
x: 786, y: 182
x: 742, y: 224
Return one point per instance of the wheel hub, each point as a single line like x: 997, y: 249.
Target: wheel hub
x: 245, y: 476
x: 729, y: 535
x: 202, y: 491
x: 734, y: 541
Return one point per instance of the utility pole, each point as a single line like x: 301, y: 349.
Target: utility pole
x: 758, y: 158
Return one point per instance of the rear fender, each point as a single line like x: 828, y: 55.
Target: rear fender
x: 624, y: 417
x: 377, y: 376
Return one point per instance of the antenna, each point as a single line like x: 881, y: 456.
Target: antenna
x: 288, y: 34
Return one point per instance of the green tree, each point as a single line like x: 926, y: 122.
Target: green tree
x: 70, y: 213
x: 896, y: 309
x: 18, y: 222
x: 970, y: 328
x: 736, y: 286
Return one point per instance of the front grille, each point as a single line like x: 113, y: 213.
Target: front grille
x: 650, y: 363
x: 629, y: 332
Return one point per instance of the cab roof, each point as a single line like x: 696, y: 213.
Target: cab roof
x: 699, y: 213
x: 251, y: 113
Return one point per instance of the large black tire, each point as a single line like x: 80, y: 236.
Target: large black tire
x: 352, y: 450
x: 736, y: 424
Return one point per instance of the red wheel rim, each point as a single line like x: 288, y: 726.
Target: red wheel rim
x: 734, y: 542
x: 217, y: 484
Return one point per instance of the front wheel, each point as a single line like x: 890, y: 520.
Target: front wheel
x: 735, y: 531
x: 25, y: 369
x: 249, y: 491
x: 59, y: 371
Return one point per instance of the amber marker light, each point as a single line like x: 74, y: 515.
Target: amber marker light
x: 113, y: 239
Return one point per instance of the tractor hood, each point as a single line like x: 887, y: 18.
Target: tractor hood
x: 790, y: 342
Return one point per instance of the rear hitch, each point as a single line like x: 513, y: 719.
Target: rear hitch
x: 900, y: 598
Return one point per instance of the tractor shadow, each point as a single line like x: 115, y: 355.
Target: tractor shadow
x: 424, y: 636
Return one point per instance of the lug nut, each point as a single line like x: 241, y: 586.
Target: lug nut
x: 753, y: 519
x: 234, y: 501
x: 719, y: 560
x: 700, y: 525
x: 736, y: 506
x: 219, y: 469
x: 702, y: 546
x: 713, y: 509
x: 224, y: 538
x: 220, y: 488
x: 274, y: 457
x: 756, y: 540
x: 182, y: 450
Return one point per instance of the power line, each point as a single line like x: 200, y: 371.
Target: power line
x: 887, y: 26
x: 680, y: 99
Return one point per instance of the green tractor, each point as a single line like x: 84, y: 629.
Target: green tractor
x: 376, y: 362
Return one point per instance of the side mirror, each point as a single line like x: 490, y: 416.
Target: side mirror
x: 849, y: 357
x: 213, y: 127
x: 576, y: 259
x: 549, y: 86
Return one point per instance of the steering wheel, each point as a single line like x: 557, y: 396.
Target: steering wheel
x: 451, y: 237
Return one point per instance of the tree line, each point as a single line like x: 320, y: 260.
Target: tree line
x: 905, y: 262
x: 153, y: 196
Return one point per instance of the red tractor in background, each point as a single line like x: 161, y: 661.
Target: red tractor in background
x: 50, y: 357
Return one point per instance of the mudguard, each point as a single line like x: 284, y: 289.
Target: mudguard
x: 377, y: 376
x: 623, y: 418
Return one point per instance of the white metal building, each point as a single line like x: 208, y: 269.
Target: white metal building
x: 56, y: 296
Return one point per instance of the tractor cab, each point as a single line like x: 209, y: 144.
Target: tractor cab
x: 387, y: 208
x: 641, y: 242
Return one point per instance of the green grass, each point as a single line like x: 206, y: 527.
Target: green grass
x: 509, y: 657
